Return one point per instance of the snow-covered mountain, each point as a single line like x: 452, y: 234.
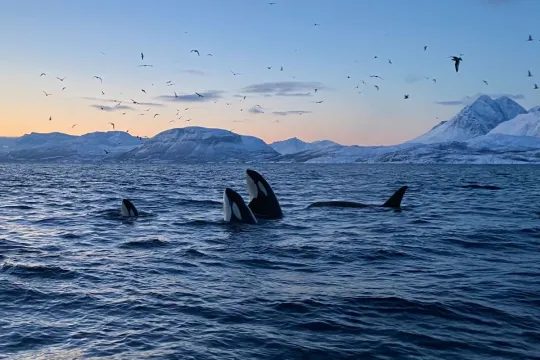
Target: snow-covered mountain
x: 199, y: 144
x: 59, y: 147
x: 474, y: 120
x: 295, y: 145
x: 521, y: 125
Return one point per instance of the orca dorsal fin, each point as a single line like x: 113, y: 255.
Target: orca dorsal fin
x: 395, y: 200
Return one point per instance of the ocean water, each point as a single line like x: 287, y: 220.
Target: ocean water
x: 453, y: 275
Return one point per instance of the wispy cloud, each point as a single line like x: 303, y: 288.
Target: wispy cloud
x: 121, y: 101
x: 256, y: 110
x: 206, y: 96
x: 194, y: 72
x: 467, y: 100
x: 291, y: 112
x: 112, y: 108
x: 284, y: 88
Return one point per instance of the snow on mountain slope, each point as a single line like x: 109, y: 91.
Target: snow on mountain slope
x: 534, y: 109
x: 198, y: 144
x: 521, y: 125
x: 474, y: 120
x: 498, y: 142
x: 295, y: 145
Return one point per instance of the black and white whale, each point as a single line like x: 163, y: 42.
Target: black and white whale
x: 235, y: 209
x: 393, y: 202
x: 264, y: 203
x: 128, y: 209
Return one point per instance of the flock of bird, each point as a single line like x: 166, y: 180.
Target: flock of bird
x: 457, y: 60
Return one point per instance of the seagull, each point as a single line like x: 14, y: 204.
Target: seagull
x: 186, y: 109
x: 102, y: 92
x: 281, y: 69
x: 46, y: 94
x: 535, y: 87
x: 234, y: 72
x: 188, y: 119
x: 530, y: 38
x: 376, y: 76
x: 272, y: 3
x: 155, y: 115
x: 244, y: 98
x: 319, y: 102
x: 112, y: 125
x: 406, y: 96
x: 64, y: 88
x: 434, y: 80
x: 123, y: 113
x: 97, y: 77
x: 147, y: 109
x: 457, y: 61
x: 101, y: 52
x: 61, y: 79
x: 106, y: 152
x: 316, y: 90
x: 146, y: 65
x: 175, y: 94
x: 195, y: 51
x: 348, y: 77
x: 171, y: 121
x: 315, y: 24
x: 209, y: 54
x: 143, y: 91
x: 50, y: 118
x: 142, y: 56
x: 168, y: 82
x: 72, y: 126
x: 425, y: 47
x: 390, y: 61
x: 269, y: 67
x: 137, y: 103
x: 199, y: 95
x: 530, y: 74
x: 376, y: 87
x: 356, y: 87
x: 102, y: 108
x: 42, y: 74
x: 485, y: 82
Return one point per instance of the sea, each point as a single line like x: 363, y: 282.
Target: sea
x: 454, y: 274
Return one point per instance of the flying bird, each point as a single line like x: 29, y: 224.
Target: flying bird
x: 406, y: 96
x: 50, y: 118
x: 425, y: 47
x: 72, y: 126
x: 142, y: 56
x: 530, y: 38
x: 209, y: 54
x: 175, y: 94
x: 102, y: 108
x: 272, y: 3
x: 123, y: 113
x: 188, y: 119
x: 234, y: 72
x: 390, y: 61
x: 106, y: 152
x: 195, y: 51
x: 61, y: 79
x: 46, y: 94
x: 64, y: 88
x: 155, y: 115
x: 281, y: 69
x: 97, y: 77
x: 171, y: 121
x: 485, y: 82
x: 376, y: 76
x: 42, y: 74
x: 376, y: 87
x: 144, y: 91
x: 316, y: 90
x: 112, y: 125
x: 535, y: 87
x: 319, y: 102
x: 457, y: 60
x: 102, y: 92
x: 199, y: 95
x: 315, y: 24
x: 133, y: 101
x: 356, y: 87
x: 530, y: 74
x: 434, y: 80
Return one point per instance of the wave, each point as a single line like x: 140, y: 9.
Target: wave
x: 143, y: 244
x: 38, y: 271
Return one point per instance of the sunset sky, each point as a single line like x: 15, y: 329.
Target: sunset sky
x: 68, y: 39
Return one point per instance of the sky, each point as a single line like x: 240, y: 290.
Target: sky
x: 353, y: 40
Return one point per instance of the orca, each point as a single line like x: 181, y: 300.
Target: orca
x: 393, y: 202
x: 235, y: 209
x: 263, y: 202
x: 128, y: 209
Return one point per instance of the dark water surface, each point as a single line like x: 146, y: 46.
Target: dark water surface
x: 454, y: 275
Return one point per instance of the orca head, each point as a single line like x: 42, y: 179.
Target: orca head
x: 263, y: 200
x: 235, y: 209
x: 128, y: 209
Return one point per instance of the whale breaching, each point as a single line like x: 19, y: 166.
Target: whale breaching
x: 393, y: 202
x: 235, y: 209
x: 263, y: 202
x: 128, y: 209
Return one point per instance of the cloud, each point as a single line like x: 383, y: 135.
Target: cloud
x: 112, y: 108
x: 291, y: 112
x: 194, y: 72
x: 284, y: 88
x: 122, y: 101
x: 207, y: 96
x: 467, y: 100
x: 256, y: 110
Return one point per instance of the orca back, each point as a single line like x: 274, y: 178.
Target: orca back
x: 264, y: 202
